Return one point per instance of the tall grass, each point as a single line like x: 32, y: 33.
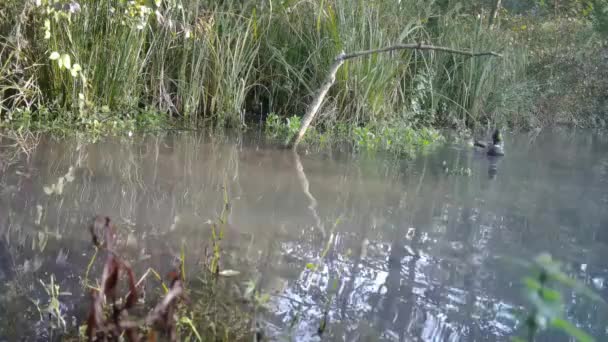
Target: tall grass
x: 409, y: 87
x: 210, y: 61
x: 477, y: 90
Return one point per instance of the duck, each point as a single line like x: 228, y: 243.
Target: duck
x: 494, y: 149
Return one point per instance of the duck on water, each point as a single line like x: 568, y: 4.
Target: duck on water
x: 495, y: 148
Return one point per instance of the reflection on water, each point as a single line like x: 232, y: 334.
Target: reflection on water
x: 372, y: 247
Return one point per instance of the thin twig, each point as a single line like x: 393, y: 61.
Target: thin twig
x: 419, y: 46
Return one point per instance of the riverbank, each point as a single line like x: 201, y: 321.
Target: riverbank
x: 103, y: 65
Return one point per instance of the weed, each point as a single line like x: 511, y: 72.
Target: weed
x: 543, y: 292
x: 53, y: 308
x: 217, y: 233
x: 392, y: 137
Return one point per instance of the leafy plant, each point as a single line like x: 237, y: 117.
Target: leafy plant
x: 53, y: 308
x: 543, y: 292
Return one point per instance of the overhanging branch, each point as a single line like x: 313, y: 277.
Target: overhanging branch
x: 419, y: 47
x: 333, y: 70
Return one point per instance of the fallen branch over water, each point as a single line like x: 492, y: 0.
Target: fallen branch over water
x: 333, y: 70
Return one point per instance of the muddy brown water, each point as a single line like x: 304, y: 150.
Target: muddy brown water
x: 404, y: 251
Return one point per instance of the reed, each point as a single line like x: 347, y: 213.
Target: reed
x: 231, y: 61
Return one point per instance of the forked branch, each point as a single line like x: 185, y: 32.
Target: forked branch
x: 333, y: 70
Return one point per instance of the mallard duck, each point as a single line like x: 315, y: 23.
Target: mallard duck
x: 496, y: 147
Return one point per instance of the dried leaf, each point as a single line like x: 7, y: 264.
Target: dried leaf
x: 59, y: 186
x: 110, y: 277
x: 38, y: 214
x: 69, y: 177
x: 132, y: 297
x: 66, y: 60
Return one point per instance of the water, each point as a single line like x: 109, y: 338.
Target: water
x: 403, y: 250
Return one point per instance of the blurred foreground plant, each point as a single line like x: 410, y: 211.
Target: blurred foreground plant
x: 543, y: 292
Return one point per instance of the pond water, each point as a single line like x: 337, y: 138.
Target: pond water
x: 402, y: 250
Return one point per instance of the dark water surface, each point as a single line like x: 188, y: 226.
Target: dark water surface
x: 404, y: 251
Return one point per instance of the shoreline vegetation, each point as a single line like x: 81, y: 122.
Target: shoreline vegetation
x: 118, y: 66
x: 102, y: 67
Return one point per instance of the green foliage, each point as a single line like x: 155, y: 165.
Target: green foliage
x: 276, y: 127
x: 99, y: 123
x: 365, y: 138
x: 564, y: 45
x: 215, y: 62
x: 52, y: 308
x: 217, y: 234
x: 173, y: 56
x: 599, y: 15
x: 393, y: 137
x: 543, y: 291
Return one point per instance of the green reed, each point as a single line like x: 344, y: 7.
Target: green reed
x: 221, y: 62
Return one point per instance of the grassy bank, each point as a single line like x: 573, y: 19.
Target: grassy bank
x: 103, y: 63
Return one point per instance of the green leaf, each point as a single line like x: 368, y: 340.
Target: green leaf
x: 255, y: 23
x: 551, y: 296
x: 54, y: 56
x: 553, y: 269
x: 572, y: 330
x: 321, y: 7
x: 188, y: 322
x: 576, y: 286
x: 532, y: 284
x: 263, y: 299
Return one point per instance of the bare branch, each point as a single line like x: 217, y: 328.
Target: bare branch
x: 417, y: 46
x: 318, y: 100
x: 333, y: 70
